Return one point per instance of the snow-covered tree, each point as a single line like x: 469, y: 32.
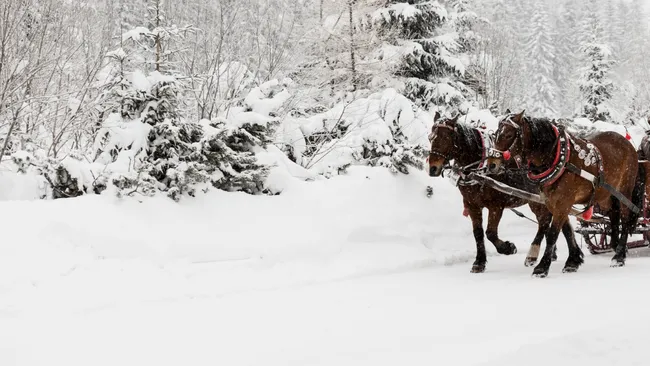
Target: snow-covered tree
x: 163, y: 151
x: 418, y: 40
x: 539, y: 47
x: 595, y: 83
x: 568, y: 59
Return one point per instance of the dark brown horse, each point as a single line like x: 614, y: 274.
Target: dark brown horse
x: 600, y: 169
x: 453, y: 140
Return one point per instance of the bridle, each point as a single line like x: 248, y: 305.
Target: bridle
x: 518, y: 137
x: 438, y: 153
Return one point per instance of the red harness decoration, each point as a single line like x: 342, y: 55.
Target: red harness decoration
x: 556, y: 161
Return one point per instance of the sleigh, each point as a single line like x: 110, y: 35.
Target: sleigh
x: 596, y: 232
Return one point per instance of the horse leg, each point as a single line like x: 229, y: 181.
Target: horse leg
x: 629, y: 218
x: 476, y: 214
x: 621, y: 245
x: 559, y: 218
x: 492, y: 232
x: 543, y: 221
x: 576, y: 257
x: 615, y: 223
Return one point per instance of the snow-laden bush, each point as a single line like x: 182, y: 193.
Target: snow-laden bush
x: 384, y: 129
x: 161, y: 152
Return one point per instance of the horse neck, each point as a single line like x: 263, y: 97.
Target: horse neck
x: 469, y: 150
x: 543, y: 154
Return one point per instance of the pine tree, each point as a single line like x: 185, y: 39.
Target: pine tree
x: 633, y: 53
x: 568, y: 59
x: 540, y: 49
x: 160, y: 150
x: 429, y: 66
x: 595, y: 84
x: 465, y: 21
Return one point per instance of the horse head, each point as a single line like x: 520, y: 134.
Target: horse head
x: 509, y: 142
x: 443, y: 145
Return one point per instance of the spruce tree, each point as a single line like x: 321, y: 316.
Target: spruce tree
x: 568, y: 59
x: 429, y: 66
x: 595, y: 83
x: 540, y: 49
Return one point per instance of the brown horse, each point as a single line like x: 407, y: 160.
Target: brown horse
x: 600, y: 169
x: 453, y: 140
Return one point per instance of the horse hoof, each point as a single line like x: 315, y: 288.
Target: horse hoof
x: 540, y: 275
x: 617, y: 263
x: 507, y: 248
x: 570, y: 269
x: 540, y: 272
x: 529, y: 262
x: 478, y: 268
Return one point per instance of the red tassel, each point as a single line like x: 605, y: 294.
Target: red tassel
x: 506, y: 155
x: 627, y: 136
x: 466, y: 212
x: 588, y: 214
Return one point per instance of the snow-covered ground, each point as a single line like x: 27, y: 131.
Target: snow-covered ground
x: 361, y: 269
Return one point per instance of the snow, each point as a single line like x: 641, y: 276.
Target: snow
x: 363, y: 119
x: 121, y: 135
x: 118, y: 53
x: 74, y: 104
x: 400, y: 11
x: 139, y: 80
x: 359, y: 269
x: 259, y: 101
x: 136, y: 33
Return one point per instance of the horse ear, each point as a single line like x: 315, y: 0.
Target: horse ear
x: 436, y: 117
x: 508, y: 111
x: 519, y: 117
x: 454, y: 120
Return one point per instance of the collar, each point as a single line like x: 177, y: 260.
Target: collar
x: 486, y: 145
x: 562, y: 155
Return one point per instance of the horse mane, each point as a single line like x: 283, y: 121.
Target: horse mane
x: 575, y: 130
x: 542, y: 133
x: 467, y: 136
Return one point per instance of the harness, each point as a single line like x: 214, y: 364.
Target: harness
x: 590, y: 156
x: 562, y: 156
x: 437, y: 153
x: 459, y: 174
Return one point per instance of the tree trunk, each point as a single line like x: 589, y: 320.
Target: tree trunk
x: 352, y: 47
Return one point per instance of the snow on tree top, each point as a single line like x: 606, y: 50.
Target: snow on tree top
x: 265, y: 99
x: 401, y: 10
x: 144, y: 82
x: 136, y: 33
x: 118, y: 54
